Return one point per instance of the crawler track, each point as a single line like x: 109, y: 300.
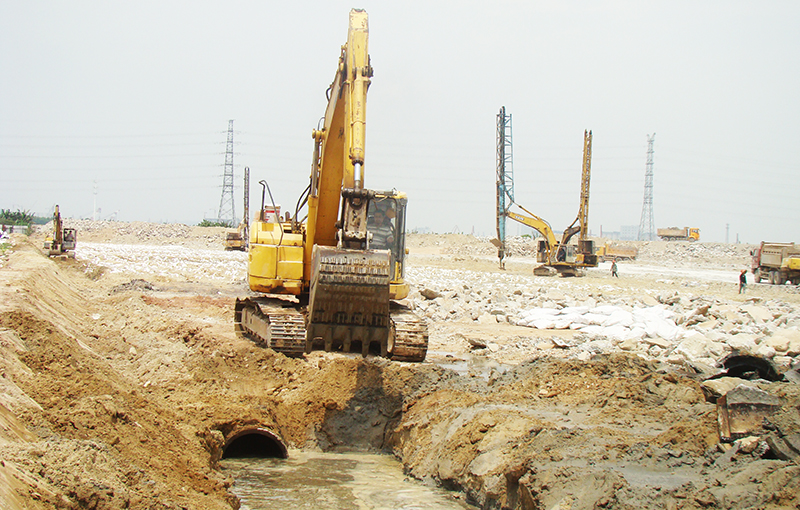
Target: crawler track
x: 410, y: 337
x: 271, y: 323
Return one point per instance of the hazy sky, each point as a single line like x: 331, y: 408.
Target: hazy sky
x: 133, y: 99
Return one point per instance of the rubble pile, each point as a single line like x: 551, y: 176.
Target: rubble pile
x: 668, y: 326
x: 521, y: 246
x: 703, y: 255
x: 139, y: 232
x: 673, y: 254
x: 171, y: 261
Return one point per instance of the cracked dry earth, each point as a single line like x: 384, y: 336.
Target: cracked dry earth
x: 118, y: 390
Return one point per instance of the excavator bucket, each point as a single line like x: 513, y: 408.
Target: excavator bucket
x: 348, y: 308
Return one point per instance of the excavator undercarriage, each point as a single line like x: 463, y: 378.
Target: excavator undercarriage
x: 278, y: 324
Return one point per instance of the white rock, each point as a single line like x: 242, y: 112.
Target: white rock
x: 757, y: 312
x: 748, y: 444
x: 743, y: 342
x: 555, y: 294
x: 722, y: 385
x: 649, y: 300
x: 542, y: 324
x: 778, y: 342
x: 619, y: 317
x: 785, y: 340
x: 657, y: 341
x: 487, y: 318
x: 693, y: 346
x: 765, y: 351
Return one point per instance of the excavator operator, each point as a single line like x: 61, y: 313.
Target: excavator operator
x: 381, y: 225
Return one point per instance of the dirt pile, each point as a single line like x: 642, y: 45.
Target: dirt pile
x: 90, y: 436
x: 611, y: 432
x: 699, y: 254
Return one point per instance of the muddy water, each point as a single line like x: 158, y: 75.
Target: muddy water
x: 333, y: 480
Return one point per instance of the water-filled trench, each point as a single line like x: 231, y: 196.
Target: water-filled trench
x: 268, y: 475
x: 308, y: 479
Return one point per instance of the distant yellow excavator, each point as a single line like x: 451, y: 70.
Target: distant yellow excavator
x: 560, y: 256
x: 61, y: 242
x: 331, y: 279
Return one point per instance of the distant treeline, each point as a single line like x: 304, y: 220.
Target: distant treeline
x: 18, y: 217
x: 214, y: 223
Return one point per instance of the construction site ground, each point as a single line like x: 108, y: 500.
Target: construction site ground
x: 121, y: 378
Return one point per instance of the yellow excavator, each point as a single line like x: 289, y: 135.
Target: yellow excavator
x: 61, y: 243
x: 330, y: 280
x: 560, y: 256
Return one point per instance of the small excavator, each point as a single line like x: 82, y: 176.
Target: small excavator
x: 61, y: 243
x: 329, y: 276
x: 558, y: 256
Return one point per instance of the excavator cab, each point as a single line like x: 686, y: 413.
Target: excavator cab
x: 69, y: 239
x: 386, y: 224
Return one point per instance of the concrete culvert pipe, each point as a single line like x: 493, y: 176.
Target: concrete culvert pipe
x: 254, y: 442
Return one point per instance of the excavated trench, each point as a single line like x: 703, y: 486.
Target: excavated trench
x: 347, y: 462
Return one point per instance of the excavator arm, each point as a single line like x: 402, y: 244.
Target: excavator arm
x: 551, y: 252
x: 339, y: 151
x: 541, y: 226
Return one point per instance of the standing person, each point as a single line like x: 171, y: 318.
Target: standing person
x: 614, y: 268
x: 742, y: 281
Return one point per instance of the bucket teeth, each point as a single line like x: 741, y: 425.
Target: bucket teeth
x: 349, y: 311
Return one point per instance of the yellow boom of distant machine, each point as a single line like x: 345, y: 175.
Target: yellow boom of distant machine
x: 329, y: 280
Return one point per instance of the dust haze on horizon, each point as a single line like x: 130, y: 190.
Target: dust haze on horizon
x: 126, y: 106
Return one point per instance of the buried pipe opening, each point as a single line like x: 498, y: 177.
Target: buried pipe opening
x: 254, y: 443
x: 746, y: 366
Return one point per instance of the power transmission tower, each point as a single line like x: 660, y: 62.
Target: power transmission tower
x: 505, y: 178
x: 647, y: 230
x: 227, y: 212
